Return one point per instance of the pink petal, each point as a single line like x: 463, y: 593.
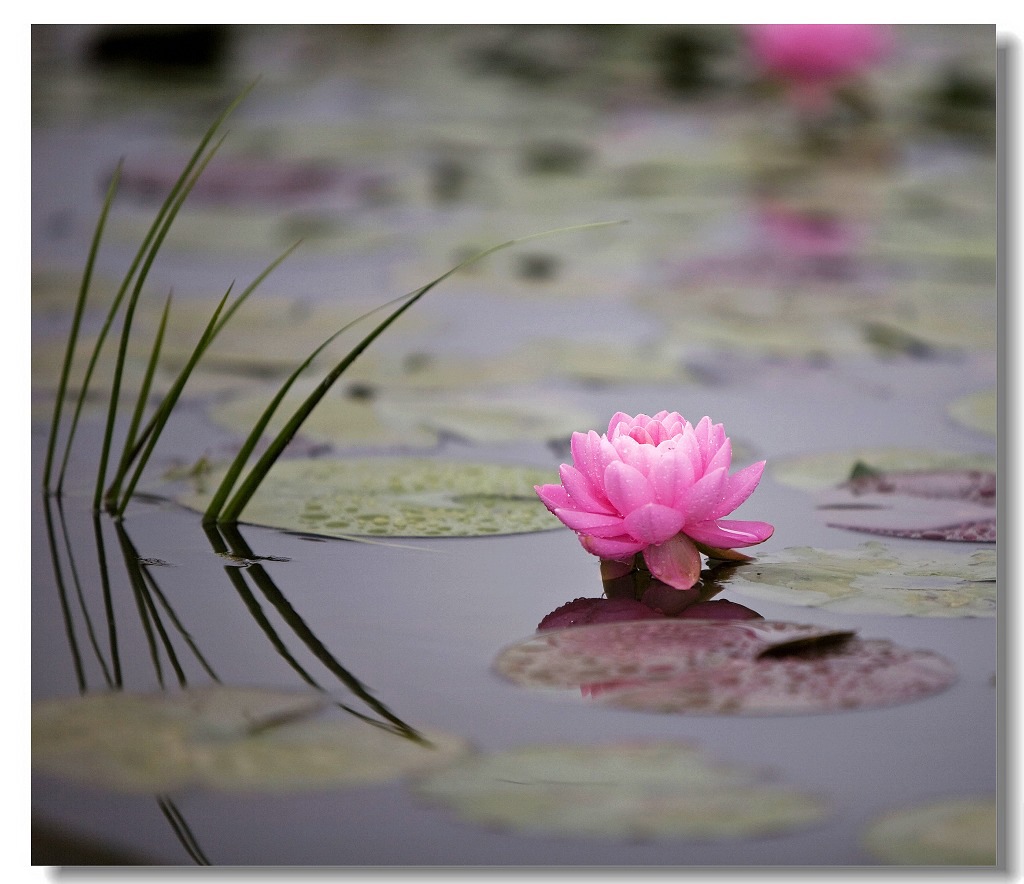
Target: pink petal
x: 739, y: 487
x: 722, y: 458
x: 591, y: 454
x: 706, y: 496
x: 627, y: 488
x: 729, y: 533
x: 672, y: 477
x: 611, y: 547
x: 599, y: 523
x: 553, y: 496
x: 676, y: 562
x: 653, y: 523
x: 581, y: 492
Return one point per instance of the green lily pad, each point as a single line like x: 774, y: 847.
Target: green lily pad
x: 394, y: 497
x: 220, y: 738
x: 950, y: 831
x: 814, y: 472
x: 408, y: 413
x: 873, y: 579
x: 636, y: 791
x: 977, y: 411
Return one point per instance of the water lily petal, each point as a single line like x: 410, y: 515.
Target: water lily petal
x: 653, y: 523
x: 553, y: 496
x: 729, y: 533
x: 706, y: 496
x: 583, y: 495
x: 621, y: 547
x: 739, y: 487
x: 676, y: 562
x: 627, y: 488
x: 581, y: 520
x: 672, y: 477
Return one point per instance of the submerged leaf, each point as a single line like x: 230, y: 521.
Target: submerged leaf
x: 874, y: 579
x: 916, y: 504
x: 637, y: 791
x: 725, y: 667
x: 221, y: 738
x: 815, y: 472
x: 950, y: 831
x: 395, y: 497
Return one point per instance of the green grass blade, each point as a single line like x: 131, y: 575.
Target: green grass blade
x: 252, y: 481
x: 163, y: 411
x: 144, y: 248
x: 83, y: 295
x: 140, y: 403
x: 147, y: 439
x: 143, y: 273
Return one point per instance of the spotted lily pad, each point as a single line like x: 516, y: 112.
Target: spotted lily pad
x: 916, y: 504
x: 725, y: 667
x: 221, y: 738
x: 873, y: 579
x: 816, y: 472
x: 636, y: 791
x: 394, y: 497
x: 950, y: 831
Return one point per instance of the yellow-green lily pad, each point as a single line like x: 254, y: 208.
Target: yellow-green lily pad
x: 977, y: 411
x: 217, y: 737
x: 948, y: 832
x: 394, y: 497
x: 635, y: 791
x: 873, y: 579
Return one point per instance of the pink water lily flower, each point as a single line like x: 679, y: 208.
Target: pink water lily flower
x: 812, y: 58
x: 659, y: 487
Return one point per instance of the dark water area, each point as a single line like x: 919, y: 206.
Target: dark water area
x: 832, y: 305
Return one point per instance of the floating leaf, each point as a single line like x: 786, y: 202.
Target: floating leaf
x: 221, y: 738
x: 918, y: 504
x: 977, y: 411
x: 395, y: 497
x: 815, y: 472
x: 637, y: 791
x: 140, y: 742
x: 950, y: 831
x: 725, y: 667
x: 873, y: 579
x: 322, y: 754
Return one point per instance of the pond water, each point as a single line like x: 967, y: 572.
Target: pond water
x: 394, y: 153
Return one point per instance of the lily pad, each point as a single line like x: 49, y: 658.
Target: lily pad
x: 725, y: 667
x: 874, y: 579
x: 636, y: 791
x: 815, y: 472
x: 950, y: 831
x: 394, y: 497
x: 956, y: 505
x: 977, y: 411
x: 220, y: 738
x: 410, y: 413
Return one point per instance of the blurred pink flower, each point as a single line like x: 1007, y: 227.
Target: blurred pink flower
x: 657, y: 486
x: 812, y: 58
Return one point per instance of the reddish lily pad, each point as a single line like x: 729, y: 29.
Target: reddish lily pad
x: 582, y: 611
x: 725, y: 667
x: 639, y: 791
x: 955, y: 505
